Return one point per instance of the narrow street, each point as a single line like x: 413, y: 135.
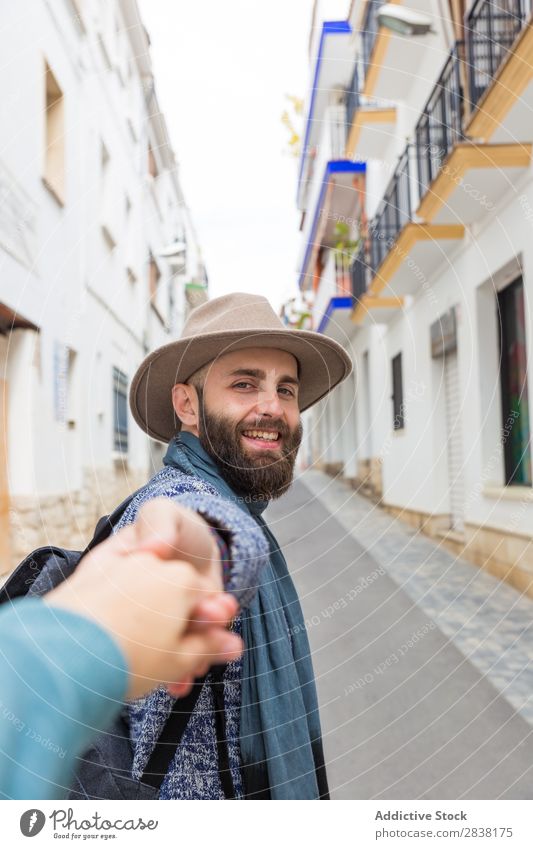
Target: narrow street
x: 423, y: 661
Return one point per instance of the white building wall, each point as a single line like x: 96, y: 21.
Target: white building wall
x: 348, y: 427
x: 488, y: 258
x: 415, y: 469
x: 78, y: 270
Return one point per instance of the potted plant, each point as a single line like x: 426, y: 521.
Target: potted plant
x: 345, y: 249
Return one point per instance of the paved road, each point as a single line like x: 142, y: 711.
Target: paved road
x: 423, y: 662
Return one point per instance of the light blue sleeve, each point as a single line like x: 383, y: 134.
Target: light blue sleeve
x: 62, y: 680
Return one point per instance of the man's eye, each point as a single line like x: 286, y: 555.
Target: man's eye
x: 242, y: 383
x: 288, y: 391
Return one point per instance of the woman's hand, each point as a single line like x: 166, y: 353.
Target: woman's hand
x: 167, y: 615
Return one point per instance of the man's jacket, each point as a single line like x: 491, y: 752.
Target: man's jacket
x: 113, y: 766
x: 254, y: 731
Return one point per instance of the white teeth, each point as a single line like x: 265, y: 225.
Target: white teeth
x: 262, y: 434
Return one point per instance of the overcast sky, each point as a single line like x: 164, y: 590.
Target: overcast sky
x: 222, y: 71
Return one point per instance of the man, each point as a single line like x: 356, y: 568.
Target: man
x: 227, y: 397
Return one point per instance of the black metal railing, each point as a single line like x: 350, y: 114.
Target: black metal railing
x: 490, y: 30
x: 336, y: 122
x: 369, y: 33
x: 353, y: 98
x: 394, y: 212
x: 358, y: 274
x: 440, y: 126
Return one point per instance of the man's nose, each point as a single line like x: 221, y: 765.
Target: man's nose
x: 269, y: 403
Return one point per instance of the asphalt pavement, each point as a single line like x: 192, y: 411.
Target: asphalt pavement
x: 423, y: 661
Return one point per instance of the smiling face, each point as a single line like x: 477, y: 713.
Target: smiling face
x: 243, y: 406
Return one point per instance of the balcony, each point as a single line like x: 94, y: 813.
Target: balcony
x: 440, y: 126
x: 370, y: 126
x: 393, y: 214
x: 392, y: 63
x: 499, y: 47
x: 403, y: 252
x: 353, y: 98
x: 492, y: 29
x: 444, y: 180
x: 368, y: 309
x: 459, y: 181
x: 335, y: 131
x: 358, y: 275
x: 337, y: 196
x: 332, y: 303
x: 196, y: 293
x: 371, y: 36
x: 332, y: 71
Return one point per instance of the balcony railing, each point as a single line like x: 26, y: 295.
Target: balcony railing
x: 441, y: 124
x: 358, y: 275
x: 491, y: 28
x: 353, y: 98
x: 336, y: 121
x: 394, y: 212
x: 369, y: 32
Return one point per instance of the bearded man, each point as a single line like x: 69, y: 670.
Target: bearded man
x: 227, y: 397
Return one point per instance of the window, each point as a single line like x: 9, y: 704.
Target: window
x: 104, y: 161
x: 513, y: 385
x: 54, y: 154
x: 152, y: 165
x: 107, y: 199
x: 120, y: 411
x: 108, y: 64
x: 76, y: 10
x: 397, y: 393
x: 65, y: 385
x: 154, y: 275
x: 171, y: 303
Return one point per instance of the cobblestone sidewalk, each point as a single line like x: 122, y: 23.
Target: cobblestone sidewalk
x: 487, y: 620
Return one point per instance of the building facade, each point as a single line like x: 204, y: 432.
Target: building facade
x: 437, y: 424
x: 97, y: 254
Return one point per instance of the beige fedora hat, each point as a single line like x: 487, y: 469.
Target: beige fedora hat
x: 226, y: 324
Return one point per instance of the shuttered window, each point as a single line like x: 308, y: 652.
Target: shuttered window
x: 398, y: 421
x: 120, y: 411
x: 513, y: 384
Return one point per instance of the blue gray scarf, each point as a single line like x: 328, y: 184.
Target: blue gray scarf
x: 280, y: 738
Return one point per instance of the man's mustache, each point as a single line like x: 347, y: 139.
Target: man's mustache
x: 268, y: 424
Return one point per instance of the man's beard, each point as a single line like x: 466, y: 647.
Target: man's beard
x: 263, y: 475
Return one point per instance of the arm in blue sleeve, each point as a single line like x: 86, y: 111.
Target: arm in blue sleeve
x: 62, y: 680
x: 247, y: 544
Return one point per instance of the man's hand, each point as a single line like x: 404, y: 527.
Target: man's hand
x: 173, y: 532
x: 147, y: 604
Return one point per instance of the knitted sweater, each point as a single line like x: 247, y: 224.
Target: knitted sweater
x: 193, y: 773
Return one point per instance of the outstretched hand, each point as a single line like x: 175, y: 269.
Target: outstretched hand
x: 173, y: 532
x: 155, y: 587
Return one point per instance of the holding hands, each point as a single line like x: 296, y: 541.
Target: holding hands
x: 156, y: 587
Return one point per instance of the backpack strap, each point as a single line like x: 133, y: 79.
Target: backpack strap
x: 170, y: 737
x: 224, y: 769
x: 105, y: 524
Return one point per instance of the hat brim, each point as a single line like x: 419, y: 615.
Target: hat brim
x: 323, y: 365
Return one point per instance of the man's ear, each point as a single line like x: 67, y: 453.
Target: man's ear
x: 185, y: 403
